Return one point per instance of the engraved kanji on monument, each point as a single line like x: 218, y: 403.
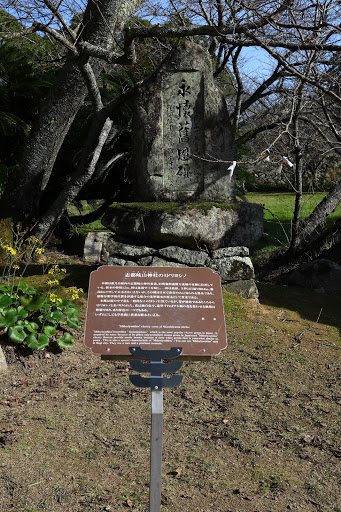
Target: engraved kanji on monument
x: 180, y: 116
x: 183, y: 135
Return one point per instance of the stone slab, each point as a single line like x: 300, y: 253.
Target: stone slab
x: 185, y: 256
x: 233, y: 269
x: 245, y: 288
x: 160, y: 262
x: 190, y: 227
x: 132, y: 251
x: 179, y: 116
x: 93, y: 246
x: 3, y: 363
x: 230, y: 251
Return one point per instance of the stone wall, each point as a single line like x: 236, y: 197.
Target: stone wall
x: 233, y: 264
x: 194, y: 226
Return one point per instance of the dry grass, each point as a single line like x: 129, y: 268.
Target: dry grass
x: 255, y: 430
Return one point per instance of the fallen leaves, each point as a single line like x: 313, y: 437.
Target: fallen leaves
x: 10, y: 402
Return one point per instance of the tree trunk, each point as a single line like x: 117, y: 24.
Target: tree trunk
x: 327, y: 206
x: 28, y: 183
x: 69, y: 192
x: 101, y: 125
x: 298, y: 198
x: 66, y: 95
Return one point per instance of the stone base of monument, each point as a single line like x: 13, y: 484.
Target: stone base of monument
x: 94, y: 246
x: 192, y: 235
x: 195, y: 226
x: 3, y: 364
x: 233, y: 264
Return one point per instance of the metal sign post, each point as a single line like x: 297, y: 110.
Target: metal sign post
x: 156, y: 451
x: 150, y: 314
x: 156, y: 382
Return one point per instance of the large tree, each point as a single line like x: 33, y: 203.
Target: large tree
x: 77, y: 78
x: 291, y: 34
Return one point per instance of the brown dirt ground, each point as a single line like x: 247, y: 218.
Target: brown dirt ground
x: 255, y: 430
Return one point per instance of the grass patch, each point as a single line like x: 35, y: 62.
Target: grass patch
x: 278, y: 215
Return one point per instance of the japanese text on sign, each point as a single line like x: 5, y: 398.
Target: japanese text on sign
x: 129, y: 307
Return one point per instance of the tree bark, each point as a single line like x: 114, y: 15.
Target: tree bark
x: 65, y: 97
x: 298, y: 199
x: 327, y: 206
x: 83, y: 174
x: 101, y: 126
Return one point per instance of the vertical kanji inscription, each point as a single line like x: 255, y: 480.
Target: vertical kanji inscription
x: 183, y: 133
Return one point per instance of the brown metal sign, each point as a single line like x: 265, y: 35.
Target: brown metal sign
x: 155, y: 308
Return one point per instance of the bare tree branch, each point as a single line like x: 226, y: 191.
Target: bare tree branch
x: 92, y: 85
x: 55, y: 10
x: 56, y: 35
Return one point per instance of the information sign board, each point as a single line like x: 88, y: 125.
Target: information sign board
x: 155, y: 308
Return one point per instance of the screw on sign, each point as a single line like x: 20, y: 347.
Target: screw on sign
x: 147, y: 315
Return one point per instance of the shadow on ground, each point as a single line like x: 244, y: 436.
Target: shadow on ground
x: 309, y: 305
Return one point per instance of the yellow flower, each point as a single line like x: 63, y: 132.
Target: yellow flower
x: 39, y: 250
x: 10, y: 249
x: 74, y: 292
x: 16, y: 267
x: 53, y: 297
x: 54, y: 270
x: 42, y: 260
x: 53, y: 281
x: 59, y: 300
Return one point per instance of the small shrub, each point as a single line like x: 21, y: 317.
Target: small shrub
x: 28, y: 316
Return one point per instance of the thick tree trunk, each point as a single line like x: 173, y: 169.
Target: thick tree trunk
x: 62, y: 104
x: 327, y: 206
x: 58, y: 112
x: 101, y: 126
x: 70, y: 191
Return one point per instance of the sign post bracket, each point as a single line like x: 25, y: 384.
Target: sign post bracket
x: 156, y: 382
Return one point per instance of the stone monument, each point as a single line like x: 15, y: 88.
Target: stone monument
x: 182, y: 148
x: 180, y: 122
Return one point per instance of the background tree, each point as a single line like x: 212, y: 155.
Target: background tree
x: 301, y: 40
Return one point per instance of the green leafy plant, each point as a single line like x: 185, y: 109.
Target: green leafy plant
x: 28, y: 316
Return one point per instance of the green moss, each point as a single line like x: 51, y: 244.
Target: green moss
x: 146, y: 207
x: 204, y: 207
